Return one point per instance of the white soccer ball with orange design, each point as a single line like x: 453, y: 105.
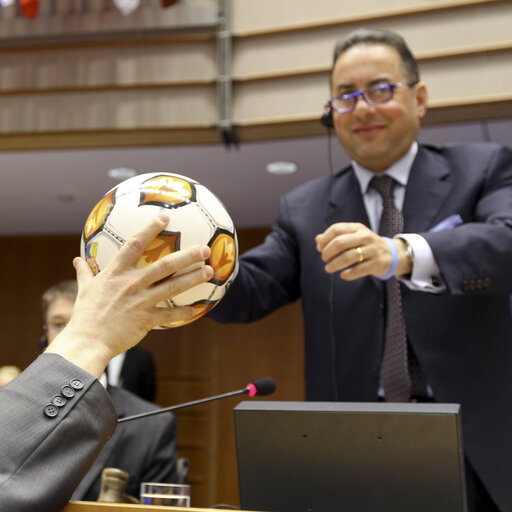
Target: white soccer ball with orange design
x: 197, y: 217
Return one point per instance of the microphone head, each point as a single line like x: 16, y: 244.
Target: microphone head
x: 261, y: 387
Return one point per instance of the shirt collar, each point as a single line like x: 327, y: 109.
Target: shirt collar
x: 400, y: 170
x: 103, y: 380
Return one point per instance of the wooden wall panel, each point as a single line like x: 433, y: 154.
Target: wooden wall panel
x: 265, y: 16
x: 121, y: 109
x: 484, y: 26
x: 103, y: 66
x: 162, y: 87
x: 464, y: 80
x: 196, y: 361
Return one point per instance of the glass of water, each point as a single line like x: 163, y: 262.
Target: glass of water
x: 170, y: 495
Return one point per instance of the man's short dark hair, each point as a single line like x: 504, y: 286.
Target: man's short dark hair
x: 67, y: 289
x: 368, y: 37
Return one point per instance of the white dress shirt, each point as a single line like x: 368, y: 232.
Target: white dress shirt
x: 425, y: 270
x: 114, y: 369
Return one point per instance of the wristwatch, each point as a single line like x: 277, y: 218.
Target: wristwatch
x: 410, y: 254
x: 408, y: 251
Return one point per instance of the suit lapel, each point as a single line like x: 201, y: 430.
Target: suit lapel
x: 346, y: 201
x: 427, y: 190
x: 346, y: 205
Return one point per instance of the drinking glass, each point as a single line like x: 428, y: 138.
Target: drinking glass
x: 170, y: 495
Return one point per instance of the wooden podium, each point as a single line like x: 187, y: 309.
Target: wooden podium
x: 93, y: 506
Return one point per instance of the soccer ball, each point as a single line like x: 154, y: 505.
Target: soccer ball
x: 197, y: 217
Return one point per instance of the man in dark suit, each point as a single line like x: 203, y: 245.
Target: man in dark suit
x: 405, y: 280
x: 145, y: 448
x: 56, y: 416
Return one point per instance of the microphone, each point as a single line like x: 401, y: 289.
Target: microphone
x: 259, y: 387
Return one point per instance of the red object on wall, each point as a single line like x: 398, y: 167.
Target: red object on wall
x: 168, y: 3
x: 29, y: 8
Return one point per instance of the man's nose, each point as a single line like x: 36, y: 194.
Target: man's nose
x: 362, y: 107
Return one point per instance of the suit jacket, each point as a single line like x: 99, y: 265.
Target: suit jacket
x: 145, y: 448
x: 43, y: 455
x: 138, y: 373
x: 462, y: 338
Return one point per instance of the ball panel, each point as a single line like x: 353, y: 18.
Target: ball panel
x: 164, y: 244
x: 223, y: 256
x: 198, y: 294
x: 126, y: 217
x: 99, y: 215
x: 213, y: 205
x: 219, y: 292
x: 194, y: 226
x: 100, y: 250
x: 201, y: 310
x: 166, y: 191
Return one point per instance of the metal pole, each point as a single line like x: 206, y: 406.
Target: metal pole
x: 224, y: 80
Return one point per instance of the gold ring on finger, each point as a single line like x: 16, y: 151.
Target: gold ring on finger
x: 360, y: 252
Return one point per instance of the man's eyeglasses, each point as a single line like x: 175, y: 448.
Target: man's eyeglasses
x: 379, y: 93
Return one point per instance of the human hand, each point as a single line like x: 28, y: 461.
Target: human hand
x: 115, y: 309
x: 356, y: 251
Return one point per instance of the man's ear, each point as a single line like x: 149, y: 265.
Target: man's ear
x: 421, y: 99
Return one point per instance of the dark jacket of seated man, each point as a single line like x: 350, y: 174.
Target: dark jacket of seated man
x: 145, y: 448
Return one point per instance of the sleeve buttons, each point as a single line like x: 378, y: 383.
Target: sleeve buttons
x: 76, y: 384
x: 51, y: 411
x: 59, y: 401
x: 68, y: 391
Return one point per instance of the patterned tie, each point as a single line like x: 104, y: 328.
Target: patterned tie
x: 395, y: 369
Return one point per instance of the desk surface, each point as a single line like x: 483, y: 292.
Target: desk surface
x: 92, y: 506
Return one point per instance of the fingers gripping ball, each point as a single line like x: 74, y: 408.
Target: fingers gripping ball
x: 197, y: 217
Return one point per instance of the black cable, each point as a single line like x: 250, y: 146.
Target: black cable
x: 332, y: 276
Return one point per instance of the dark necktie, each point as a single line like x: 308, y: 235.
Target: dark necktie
x: 395, y: 368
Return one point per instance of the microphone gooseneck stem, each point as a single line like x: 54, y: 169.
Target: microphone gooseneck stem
x: 182, y: 406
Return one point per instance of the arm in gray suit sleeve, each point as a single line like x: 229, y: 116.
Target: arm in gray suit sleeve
x: 44, y: 456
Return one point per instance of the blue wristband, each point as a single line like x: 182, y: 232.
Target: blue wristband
x: 394, y: 259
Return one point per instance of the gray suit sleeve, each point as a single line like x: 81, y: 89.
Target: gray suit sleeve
x: 54, y: 420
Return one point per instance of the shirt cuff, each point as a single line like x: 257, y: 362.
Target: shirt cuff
x: 426, y: 275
